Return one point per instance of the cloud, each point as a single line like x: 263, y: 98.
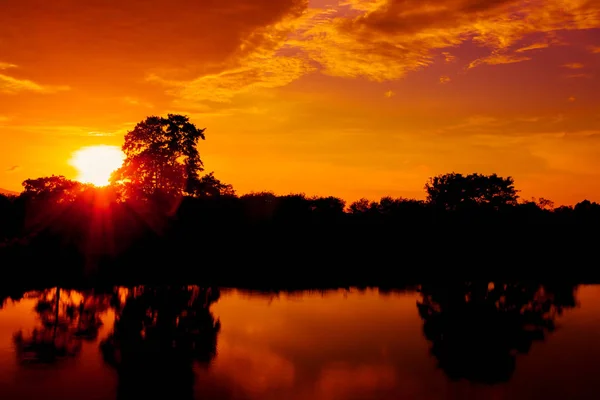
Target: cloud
x: 261, y: 61
x: 572, y: 99
x: 4, y: 65
x: 212, y: 51
x: 579, y: 76
x: 183, y: 44
x: 69, y: 130
x: 123, y: 31
x: 574, y: 66
x: 448, y: 57
x: 364, y: 5
x: 389, y: 39
x: 13, y: 168
x: 595, y: 49
x: 389, y: 94
x: 101, y: 134
x: 534, y: 46
x: 444, y: 79
x: 499, y: 59
x: 257, y: 73
x: 475, y: 122
x: 11, y: 85
x: 136, y: 102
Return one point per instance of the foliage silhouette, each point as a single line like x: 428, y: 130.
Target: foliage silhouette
x: 162, y: 158
x: 52, y: 188
x: 159, y: 334
x: 455, y: 191
x: 477, y: 328
x: 209, y: 186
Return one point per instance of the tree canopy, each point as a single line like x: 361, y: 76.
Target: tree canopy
x: 161, y: 157
x: 456, y: 191
x: 56, y: 188
x: 209, y: 186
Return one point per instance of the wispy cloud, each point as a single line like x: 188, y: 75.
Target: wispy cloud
x: 4, y: 65
x: 101, y: 134
x: 448, y: 57
x: 389, y: 94
x: 263, y: 61
x: 535, y: 46
x: 499, y: 59
x: 133, y: 101
x: 579, y: 76
x: 574, y: 66
x: 66, y: 130
x: 475, y: 121
x: 13, y: 168
x: 444, y: 79
x: 11, y: 85
x: 257, y: 73
x: 595, y: 49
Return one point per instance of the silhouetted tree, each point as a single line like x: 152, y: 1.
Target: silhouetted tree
x: 587, y: 206
x: 545, y: 204
x: 162, y: 158
x: 52, y: 188
x: 260, y: 205
x: 327, y: 208
x: 476, y: 328
x: 158, y: 334
x: 361, y: 206
x: 209, y: 186
x: 455, y: 191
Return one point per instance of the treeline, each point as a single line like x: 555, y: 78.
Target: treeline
x: 451, y: 199
x: 59, y: 228
x: 162, y: 219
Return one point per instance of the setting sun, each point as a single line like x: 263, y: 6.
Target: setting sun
x: 95, y: 164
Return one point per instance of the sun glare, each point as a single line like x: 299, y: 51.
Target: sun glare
x: 95, y: 164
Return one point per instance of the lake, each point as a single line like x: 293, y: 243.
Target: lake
x: 444, y: 341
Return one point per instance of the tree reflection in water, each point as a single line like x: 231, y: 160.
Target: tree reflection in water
x: 65, y: 318
x: 476, y: 329
x: 159, y: 334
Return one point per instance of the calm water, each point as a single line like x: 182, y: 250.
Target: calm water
x: 487, y: 341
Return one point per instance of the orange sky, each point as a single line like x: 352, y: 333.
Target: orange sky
x: 350, y: 98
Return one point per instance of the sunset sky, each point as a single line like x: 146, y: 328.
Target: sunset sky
x: 352, y: 98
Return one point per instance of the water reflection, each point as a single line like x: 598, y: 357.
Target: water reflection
x: 476, y: 328
x: 158, y: 335
x: 65, y: 318
x: 437, y: 342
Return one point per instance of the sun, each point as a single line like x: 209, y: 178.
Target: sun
x: 95, y: 164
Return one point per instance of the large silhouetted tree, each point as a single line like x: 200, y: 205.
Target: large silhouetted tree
x: 477, y: 328
x: 162, y: 158
x: 456, y: 191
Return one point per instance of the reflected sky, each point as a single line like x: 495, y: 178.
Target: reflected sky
x: 342, y: 344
